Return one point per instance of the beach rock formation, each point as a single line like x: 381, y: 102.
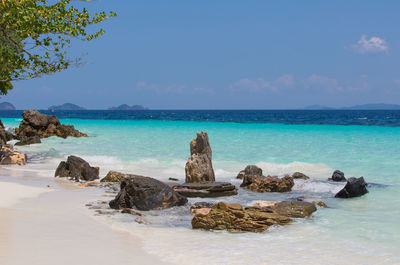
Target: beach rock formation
x: 337, y: 176
x: 9, y: 157
x: 43, y: 126
x: 5, y: 135
x: 233, y: 218
x: 299, y: 175
x: 113, y: 176
x: 295, y: 209
x: 267, y: 184
x: 354, y: 187
x: 250, y: 170
x: 145, y: 194
x: 29, y: 140
x: 206, y: 189
x: 199, y: 166
x: 77, y: 169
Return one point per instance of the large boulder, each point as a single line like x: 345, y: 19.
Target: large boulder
x: 206, y: 189
x: 232, y: 217
x: 267, y: 184
x: 145, y: 194
x: 354, y: 187
x: 250, y: 170
x: 77, y: 169
x: 337, y: 176
x: 113, y: 176
x: 9, y: 157
x: 199, y: 166
x: 43, y: 126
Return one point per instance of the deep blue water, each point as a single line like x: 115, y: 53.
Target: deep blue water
x: 337, y: 117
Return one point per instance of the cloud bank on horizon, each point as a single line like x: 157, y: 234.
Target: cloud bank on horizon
x: 231, y: 54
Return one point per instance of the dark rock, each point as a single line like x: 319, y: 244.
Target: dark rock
x: 337, y: 176
x: 299, y: 175
x: 76, y: 168
x: 199, y: 166
x: 206, y: 189
x: 113, y: 176
x: 145, y: 194
x: 29, y: 140
x: 354, y: 187
x: 250, y: 170
x: 5, y: 135
x: 43, y: 126
x: 173, y: 179
x: 267, y: 184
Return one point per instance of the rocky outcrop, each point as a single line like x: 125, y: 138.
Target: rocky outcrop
x: 77, y: 169
x: 354, y: 187
x: 295, y: 209
x: 337, y: 176
x: 5, y: 135
x: 206, y: 189
x: 43, y: 126
x: 199, y: 166
x: 299, y: 175
x: 9, y: 157
x: 113, y: 176
x: 267, y: 184
x: 145, y: 194
x: 250, y: 170
x: 29, y: 140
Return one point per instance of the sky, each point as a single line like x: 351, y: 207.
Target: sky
x: 230, y: 54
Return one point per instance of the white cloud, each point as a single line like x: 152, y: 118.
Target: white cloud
x: 323, y: 82
x: 262, y: 85
x: 372, y: 45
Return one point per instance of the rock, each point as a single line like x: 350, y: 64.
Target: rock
x: 113, y: 176
x: 232, y: 217
x: 320, y: 204
x: 261, y: 204
x: 9, y: 157
x: 89, y: 184
x: 29, y: 140
x: 200, y: 211
x: 267, y: 184
x: 76, y: 168
x: 354, y: 187
x: 201, y: 208
x: 43, y: 126
x: 250, y: 170
x: 295, y: 209
x: 140, y: 221
x: 173, y: 179
x: 337, y: 176
x: 5, y: 135
x: 131, y: 211
x: 199, y: 165
x: 145, y: 194
x: 206, y: 189
x: 299, y: 175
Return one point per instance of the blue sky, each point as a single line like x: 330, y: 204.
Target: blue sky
x: 231, y: 55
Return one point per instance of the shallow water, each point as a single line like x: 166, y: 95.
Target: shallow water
x: 362, y: 230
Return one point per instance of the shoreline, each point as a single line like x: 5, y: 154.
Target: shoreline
x: 32, y: 227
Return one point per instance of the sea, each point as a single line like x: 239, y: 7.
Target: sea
x: 363, y: 230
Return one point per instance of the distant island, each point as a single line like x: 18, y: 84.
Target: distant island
x: 65, y: 106
x: 127, y: 107
x: 378, y: 106
x: 6, y: 106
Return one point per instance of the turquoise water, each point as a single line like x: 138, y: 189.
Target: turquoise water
x: 362, y: 230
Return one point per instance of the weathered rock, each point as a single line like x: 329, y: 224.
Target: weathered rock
x: 5, y: 135
x: 354, y: 187
x: 232, y: 217
x: 267, y: 184
x: 43, y: 126
x: 145, y: 194
x: 320, y: 204
x: 29, y: 140
x: 337, y: 176
x: 113, y: 176
x: 206, y: 189
x: 250, y: 170
x: 9, y: 157
x: 199, y: 165
x: 299, y: 175
x: 295, y: 209
x: 199, y: 205
x: 132, y: 212
x: 76, y: 168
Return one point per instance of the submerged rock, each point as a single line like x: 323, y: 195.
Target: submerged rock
x: 337, y: 176
x: 76, y: 168
x: 206, y: 189
x: 43, y: 126
x: 145, y: 194
x: 299, y: 175
x: 354, y: 187
x: 113, y: 176
x: 267, y: 184
x: 29, y: 140
x: 199, y: 165
x: 250, y: 170
x: 9, y: 157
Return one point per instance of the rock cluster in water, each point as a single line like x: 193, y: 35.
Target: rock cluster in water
x: 77, y: 169
x: 268, y: 183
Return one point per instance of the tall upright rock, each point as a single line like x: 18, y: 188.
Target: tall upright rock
x: 199, y: 166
